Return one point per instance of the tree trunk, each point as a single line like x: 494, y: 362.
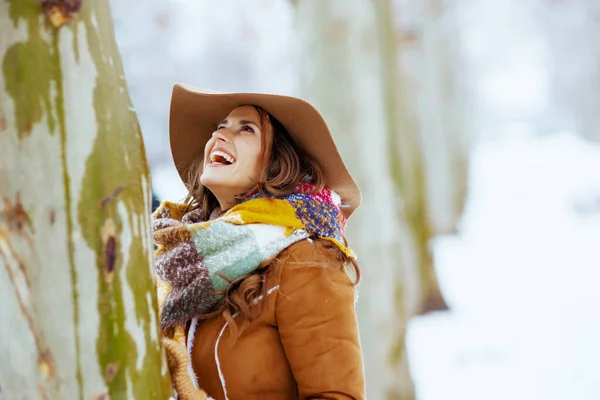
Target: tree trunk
x: 569, y: 29
x: 342, y: 77
x: 443, y: 122
x: 78, y: 317
x: 407, y: 156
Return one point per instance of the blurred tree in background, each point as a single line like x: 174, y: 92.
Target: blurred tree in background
x: 569, y: 29
x: 406, y: 145
x: 78, y: 317
x: 342, y: 77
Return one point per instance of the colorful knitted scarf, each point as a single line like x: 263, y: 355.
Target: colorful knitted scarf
x: 193, y: 256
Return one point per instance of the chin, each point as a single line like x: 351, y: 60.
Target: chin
x: 209, y: 178
x: 214, y: 183
x: 211, y: 182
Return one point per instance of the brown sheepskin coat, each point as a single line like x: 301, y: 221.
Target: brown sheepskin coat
x: 304, y: 345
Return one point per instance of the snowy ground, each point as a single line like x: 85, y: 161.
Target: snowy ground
x: 522, y: 279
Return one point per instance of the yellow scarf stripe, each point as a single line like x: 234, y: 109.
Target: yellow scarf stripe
x: 264, y: 211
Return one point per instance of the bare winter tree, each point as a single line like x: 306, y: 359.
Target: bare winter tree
x: 78, y: 317
x: 439, y: 100
x: 406, y: 149
x: 342, y: 77
x: 391, y: 93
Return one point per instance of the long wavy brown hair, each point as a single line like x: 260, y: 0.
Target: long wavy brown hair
x: 284, y: 166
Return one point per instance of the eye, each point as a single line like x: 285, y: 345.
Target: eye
x: 248, y: 128
x: 220, y: 127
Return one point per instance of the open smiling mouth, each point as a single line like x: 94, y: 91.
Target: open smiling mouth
x: 221, y: 158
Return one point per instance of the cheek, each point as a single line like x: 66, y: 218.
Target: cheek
x: 257, y: 159
x: 251, y: 155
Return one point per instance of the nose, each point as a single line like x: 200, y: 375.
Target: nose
x: 222, y: 134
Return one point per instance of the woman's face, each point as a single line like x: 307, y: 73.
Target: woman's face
x: 232, y: 157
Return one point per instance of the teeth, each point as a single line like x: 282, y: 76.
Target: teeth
x: 226, y: 156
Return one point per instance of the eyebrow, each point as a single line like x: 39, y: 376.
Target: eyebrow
x: 242, y: 122
x: 245, y: 122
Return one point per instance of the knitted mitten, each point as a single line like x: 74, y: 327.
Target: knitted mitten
x: 177, y: 359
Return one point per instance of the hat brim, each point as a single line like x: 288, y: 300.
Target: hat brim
x: 195, y: 114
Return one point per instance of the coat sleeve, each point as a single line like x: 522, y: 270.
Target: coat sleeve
x: 318, y: 327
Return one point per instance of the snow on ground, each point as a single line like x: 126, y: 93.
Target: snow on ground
x: 521, y: 278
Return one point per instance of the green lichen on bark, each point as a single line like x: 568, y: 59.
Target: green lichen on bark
x: 58, y: 102
x: 117, y: 160
x: 144, y: 305
x: 30, y: 68
x: 398, y: 350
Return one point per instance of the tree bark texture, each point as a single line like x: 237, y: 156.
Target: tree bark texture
x: 428, y: 136
x: 78, y: 317
x: 443, y: 110
x: 342, y: 77
x: 407, y: 157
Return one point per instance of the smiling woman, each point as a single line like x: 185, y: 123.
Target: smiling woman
x: 255, y: 276
x: 232, y: 155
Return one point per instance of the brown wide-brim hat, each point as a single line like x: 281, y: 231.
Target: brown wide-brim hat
x: 195, y: 114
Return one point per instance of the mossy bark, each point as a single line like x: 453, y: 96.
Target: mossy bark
x: 79, y: 316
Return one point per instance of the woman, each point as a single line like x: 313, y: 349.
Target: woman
x: 254, y: 275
